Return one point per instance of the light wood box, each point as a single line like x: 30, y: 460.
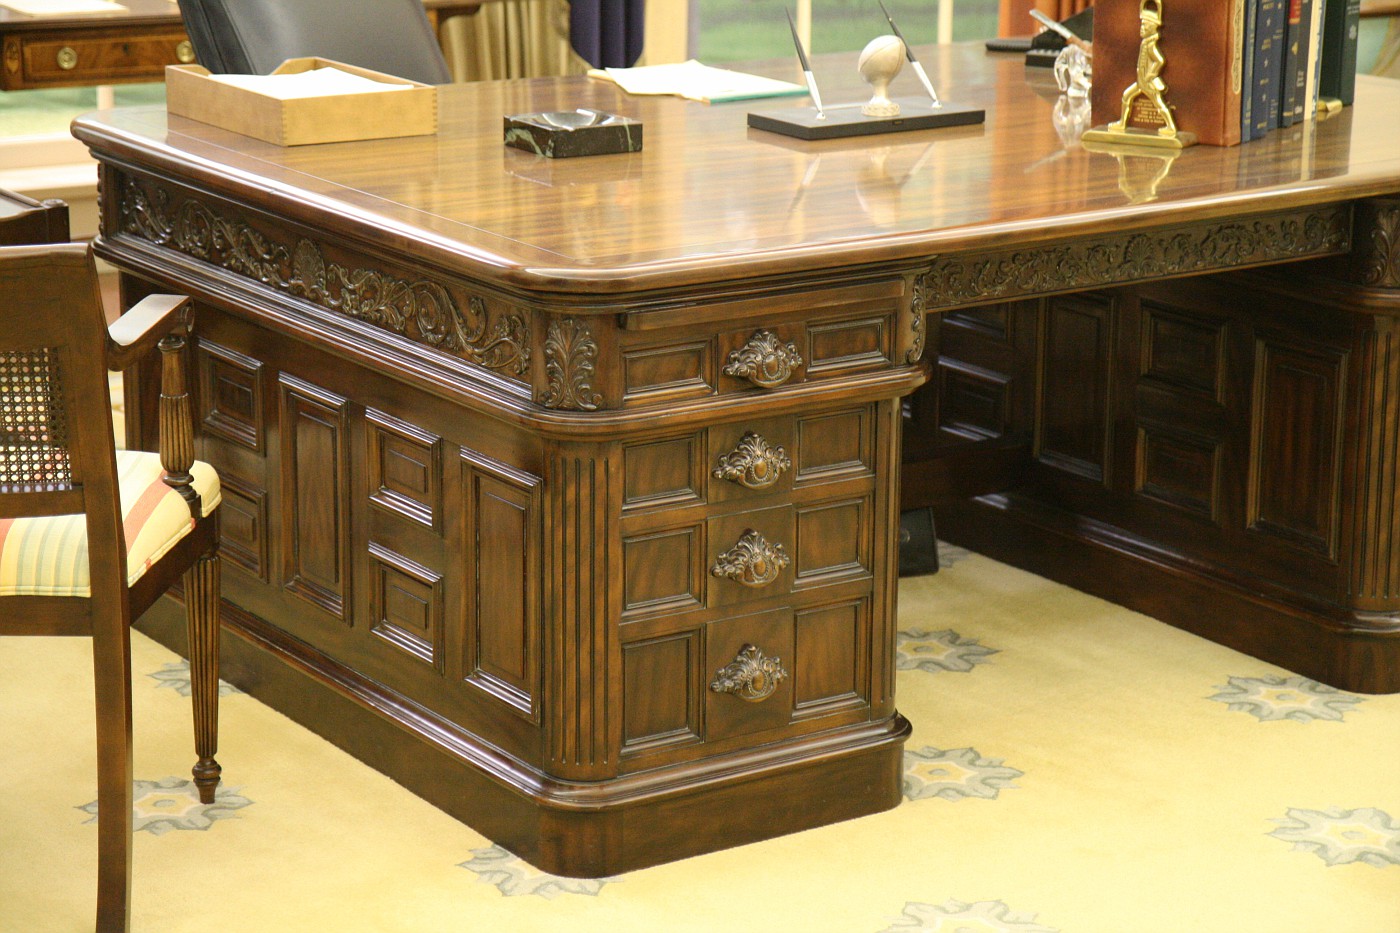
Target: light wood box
x: 190, y: 92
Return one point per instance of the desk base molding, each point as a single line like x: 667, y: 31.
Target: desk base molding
x: 572, y: 829
x: 1357, y: 651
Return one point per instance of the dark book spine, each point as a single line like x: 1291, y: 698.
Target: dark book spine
x: 1339, y: 31
x: 1288, y: 92
x: 1251, y: 19
x: 1301, y: 50
x: 1268, y: 66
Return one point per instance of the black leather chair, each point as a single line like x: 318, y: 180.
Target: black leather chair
x: 255, y: 36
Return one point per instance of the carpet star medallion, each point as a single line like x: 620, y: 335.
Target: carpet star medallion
x: 1340, y: 837
x: 515, y: 877
x: 938, y: 651
x: 957, y: 917
x: 176, y: 674
x: 954, y: 774
x: 1270, y: 699
x: 173, y: 803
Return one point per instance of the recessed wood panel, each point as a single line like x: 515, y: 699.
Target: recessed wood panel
x: 661, y: 692
x: 675, y: 370
x: 838, y: 346
x: 832, y: 658
x: 405, y: 468
x: 973, y: 403
x: 315, y: 501
x: 243, y: 524
x: 662, y: 570
x: 668, y: 472
x: 1297, y: 417
x: 834, y: 446
x: 230, y: 396
x: 1179, y: 471
x: 1072, y: 429
x: 406, y: 605
x: 833, y: 541
x: 1183, y: 352
x: 502, y: 527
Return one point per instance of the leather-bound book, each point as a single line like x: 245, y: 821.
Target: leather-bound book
x: 1202, y: 42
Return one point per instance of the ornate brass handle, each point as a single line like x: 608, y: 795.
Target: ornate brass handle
x: 184, y: 52
x: 765, y: 360
x: 750, y: 676
x: 752, y: 561
x: 67, y: 58
x: 753, y: 463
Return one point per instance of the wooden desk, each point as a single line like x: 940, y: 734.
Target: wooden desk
x: 126, y: 47
x: 509, y: 444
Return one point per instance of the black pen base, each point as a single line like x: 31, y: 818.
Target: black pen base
x: 846, y: 120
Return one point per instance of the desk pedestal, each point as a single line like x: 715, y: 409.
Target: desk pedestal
x: 613, y: 586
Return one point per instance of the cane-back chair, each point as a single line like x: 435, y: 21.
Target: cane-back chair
x: 91, y: 536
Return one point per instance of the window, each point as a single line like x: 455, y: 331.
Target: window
x: 745, y: 30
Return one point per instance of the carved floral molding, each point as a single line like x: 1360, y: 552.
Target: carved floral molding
x: 961, y: 280
x: 421, y: 310
x: 919, y: 303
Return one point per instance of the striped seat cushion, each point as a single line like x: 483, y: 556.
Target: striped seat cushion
x: 48, y: 555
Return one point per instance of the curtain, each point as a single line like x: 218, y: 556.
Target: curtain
x: 1015, y: 15
x: 607, y: 33
x: 511, y: 39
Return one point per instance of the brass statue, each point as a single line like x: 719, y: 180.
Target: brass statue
x: 1149, y: 81
x: 1149, y: 85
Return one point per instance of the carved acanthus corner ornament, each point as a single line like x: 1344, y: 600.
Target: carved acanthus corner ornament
x: 1135, y: 257
x: 752, y: 561
x: 923, y: 289
x: 766, y: 361
x: 422, y: 310
x: 1376, y: 253
x: 750, y: 676
x: 569, y: 363
x: 753, y: 463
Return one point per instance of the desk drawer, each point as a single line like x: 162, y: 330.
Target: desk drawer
x: 696, y: 690
x: 749, y: 461
x: 39, y: 60
x: 747, y: 557
x: 764, y: 345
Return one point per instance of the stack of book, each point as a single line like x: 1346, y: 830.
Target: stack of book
x: 1235, y: 68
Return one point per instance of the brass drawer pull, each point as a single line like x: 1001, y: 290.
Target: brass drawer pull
x: 753, y: 463
x: 765, y: 360
x: 67, y: 58
x: 184, y: 52
x: 750, y: 676
x: 752, y: 561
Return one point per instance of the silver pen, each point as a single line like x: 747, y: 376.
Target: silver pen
x: 909, y: 54
x: 806, y: 68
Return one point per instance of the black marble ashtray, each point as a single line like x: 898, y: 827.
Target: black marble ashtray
x: 561, y: 134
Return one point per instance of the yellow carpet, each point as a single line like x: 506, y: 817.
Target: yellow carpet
x: 1074, y: 767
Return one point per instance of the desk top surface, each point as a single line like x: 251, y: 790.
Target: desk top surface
x: 710, y: 198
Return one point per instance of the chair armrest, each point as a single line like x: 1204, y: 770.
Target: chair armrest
x: 137, y: 331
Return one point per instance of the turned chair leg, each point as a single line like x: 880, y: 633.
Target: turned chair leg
x: 202, y: 614
x: 112, y: 677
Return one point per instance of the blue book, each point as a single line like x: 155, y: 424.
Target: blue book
x: 1268, y: 65
x: 1251, y: 19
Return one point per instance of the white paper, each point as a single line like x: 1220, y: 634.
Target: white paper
x: 697, y: 82
x: 319, y: 82
x: 61, y: 7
